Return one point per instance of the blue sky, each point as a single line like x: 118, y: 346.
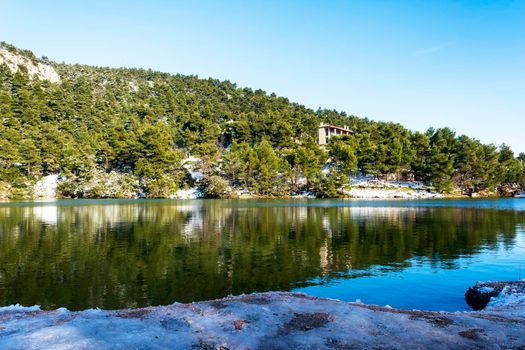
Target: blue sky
x: 438, y: 63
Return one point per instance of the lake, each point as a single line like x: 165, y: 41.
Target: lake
x: 113, y: 254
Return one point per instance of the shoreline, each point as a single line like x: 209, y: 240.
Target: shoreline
x: 272, y: 320
x: 359, y: 188
x: 354, y: 193
x: 54, y: 199
x: 371, y: 197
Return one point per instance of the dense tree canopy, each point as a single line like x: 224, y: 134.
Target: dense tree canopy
x: 142, y: 124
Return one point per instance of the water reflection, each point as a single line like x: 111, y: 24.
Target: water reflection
x: 114, y: 254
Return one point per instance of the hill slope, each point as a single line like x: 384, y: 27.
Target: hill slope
x: 122, y: 132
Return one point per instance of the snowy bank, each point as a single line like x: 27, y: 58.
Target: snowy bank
x: 46, y: 187
x: 386, y: 193
x: 365, y: 187
x: 189, y: 193
x: 275, y: 320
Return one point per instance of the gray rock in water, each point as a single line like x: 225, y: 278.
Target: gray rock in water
x: 478, y: 296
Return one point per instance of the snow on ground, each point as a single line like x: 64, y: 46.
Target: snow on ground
x: 369, y: 187
x: 510, y: 300
x: 326, y: 169
x: 275, y: 320
x: 191, y: 164
x: 46, y: 187
x: 486, y: 290
x: 304, y: 194
x: 356, y: 192
x: 242, y: 193
x: 18, y: 308
x: 189, y: 193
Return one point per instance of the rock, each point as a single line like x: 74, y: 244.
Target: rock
x: 239, y: 324
x: 478, y: 296
x: 471, y: 333
x: 34, y: 69
x: 307, y: 321
x: 509, y: 190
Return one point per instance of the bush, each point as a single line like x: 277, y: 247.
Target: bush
x: 217, y: 187
x: 163, y: 186
x: 99, y: 185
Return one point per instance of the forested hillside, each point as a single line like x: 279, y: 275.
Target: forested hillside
x: 127, y: 132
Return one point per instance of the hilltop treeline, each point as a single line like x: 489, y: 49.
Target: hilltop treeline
x: 142, y: 124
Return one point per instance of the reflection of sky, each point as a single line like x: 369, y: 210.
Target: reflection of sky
x: 426, y: 282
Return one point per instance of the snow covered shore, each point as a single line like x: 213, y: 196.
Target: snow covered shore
x: 275, y: 320
x: 120, y: 185
x: 387, y: 193
x: 365, y: 188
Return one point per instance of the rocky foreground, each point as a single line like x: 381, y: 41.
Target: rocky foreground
x: 268, y: 321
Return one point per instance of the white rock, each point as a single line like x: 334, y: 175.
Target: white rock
x: 40, y: 70
x: 133, y: 86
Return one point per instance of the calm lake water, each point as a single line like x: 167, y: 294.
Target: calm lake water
x: 130, y: 253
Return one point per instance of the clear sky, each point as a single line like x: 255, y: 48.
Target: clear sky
x: 437, y: 63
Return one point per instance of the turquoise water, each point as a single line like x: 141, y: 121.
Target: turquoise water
x: 423, y: 285
x: 130, y: 253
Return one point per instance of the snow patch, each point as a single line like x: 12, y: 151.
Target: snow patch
x: 19, y: 308
x: 486, y: 290
x: 190, y: 193
x: 304, y: 194
x: 391, y: 193
x: 366, y: 186
x: 511, y: 299
x: 191, y: 164
x: 326, y: 169
x: 46, y: 187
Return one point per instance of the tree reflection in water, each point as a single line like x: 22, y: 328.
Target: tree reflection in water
x: 115, y: 254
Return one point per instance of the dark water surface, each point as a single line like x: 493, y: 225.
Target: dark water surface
x: 117, y: 253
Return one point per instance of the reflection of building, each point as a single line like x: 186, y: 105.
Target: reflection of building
x: 328, y: 130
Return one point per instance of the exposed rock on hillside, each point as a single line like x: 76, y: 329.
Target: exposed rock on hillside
x: 34, y: 69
